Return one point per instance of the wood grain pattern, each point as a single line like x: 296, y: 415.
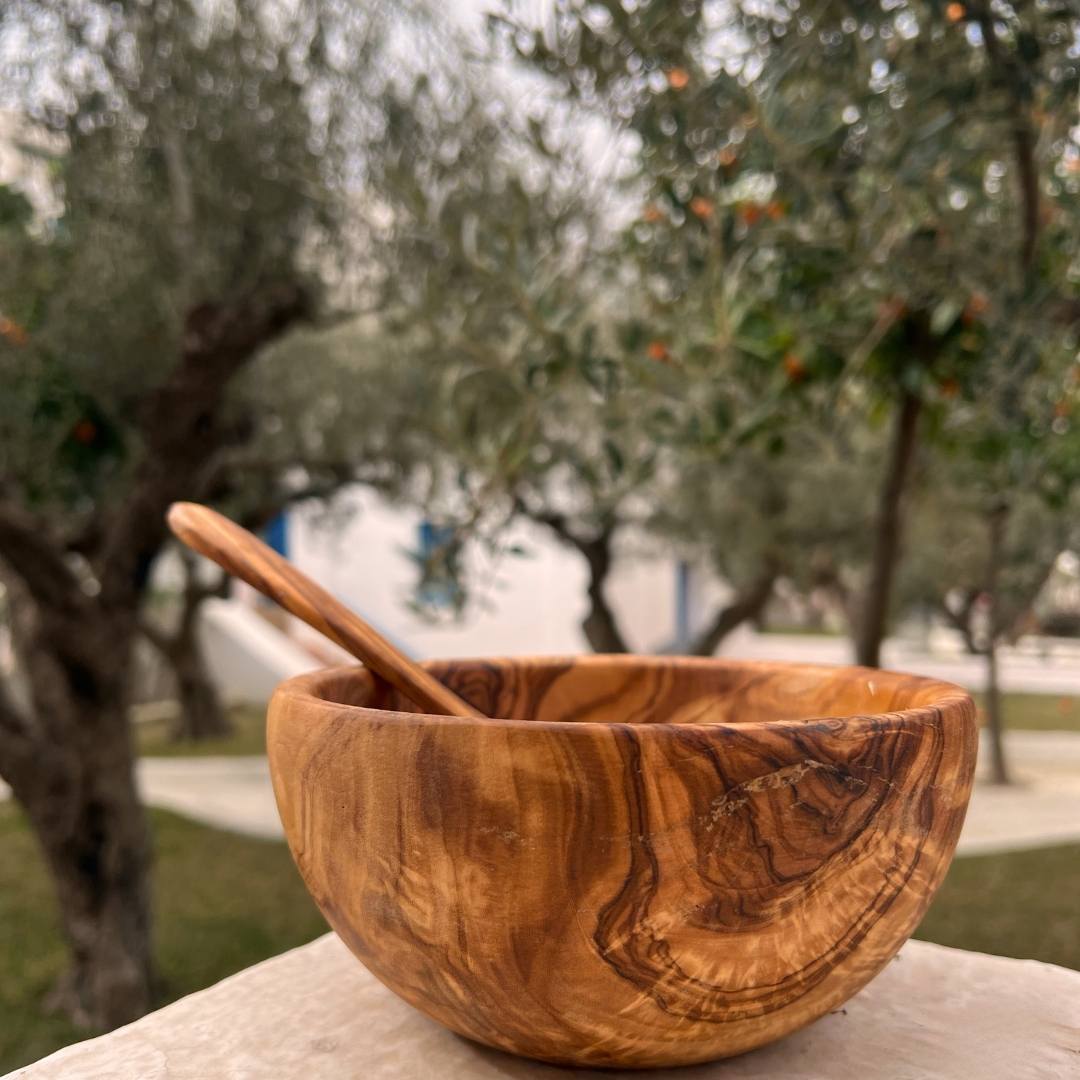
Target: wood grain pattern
x: 661, y: 861
x: 245, y: 556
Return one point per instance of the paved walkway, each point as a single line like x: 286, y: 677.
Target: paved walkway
x: 229, y: 792
x: 1040, y: 809
x: 1042, y: 666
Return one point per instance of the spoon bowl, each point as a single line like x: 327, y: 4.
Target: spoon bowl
x: 638, y: 861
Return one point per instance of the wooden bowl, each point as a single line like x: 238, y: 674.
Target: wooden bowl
x: 664, y: 861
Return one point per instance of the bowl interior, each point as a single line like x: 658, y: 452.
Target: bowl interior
x: 651, y: 689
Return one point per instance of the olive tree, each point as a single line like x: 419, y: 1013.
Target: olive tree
x: 507, y: 272
x: 200, y: 166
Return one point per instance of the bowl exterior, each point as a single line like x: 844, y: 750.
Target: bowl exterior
x: 628, y: 895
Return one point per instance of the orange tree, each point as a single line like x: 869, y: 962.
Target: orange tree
x: 999, y: 507
x: 840, y: 204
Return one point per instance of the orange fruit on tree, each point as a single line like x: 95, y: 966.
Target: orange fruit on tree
x: 750, y: 213
x: 794, y: 368
x: 978, y: 304
x: 85, y: 431
x: 658, y: 350
x: 701, y: 207
x: 892, y: 309
x: 11, y: 330
x: 955, y: 12
x: 678, y: 78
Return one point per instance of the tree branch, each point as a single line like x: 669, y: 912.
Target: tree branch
x: 16, y: 747
x: 13, y: 724
x: 26, y: 547
x: 1008, y: 72
x: 874, y: 616
x: 155, y: 635
x: 826, y: 576
x: 180, y: 424
x: 601, y: 624
x: 192, y: 596
x: 236, y: 476
x: 558, y: 523
x: 960, y: 620
x: 746, y: 605
x: 19, y: 737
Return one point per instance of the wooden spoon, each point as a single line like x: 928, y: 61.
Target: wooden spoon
x: 245, y: 556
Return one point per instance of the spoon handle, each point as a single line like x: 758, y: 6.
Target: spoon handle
x: 245, y: 556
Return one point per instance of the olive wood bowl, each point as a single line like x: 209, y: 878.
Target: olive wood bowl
x: 660, y: 861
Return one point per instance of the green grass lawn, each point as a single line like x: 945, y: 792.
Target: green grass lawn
x: 800, y: 630
x: 223, y: 902
x: 1026, y: 904
x: 1039, y: 712
x: 153, y: 737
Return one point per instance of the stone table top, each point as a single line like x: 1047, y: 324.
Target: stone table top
x: 316, y: 1014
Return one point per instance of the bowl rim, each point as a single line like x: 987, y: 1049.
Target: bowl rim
x: 953, y: 702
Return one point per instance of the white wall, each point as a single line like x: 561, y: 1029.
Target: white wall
x: 523, y: 605
x: 248, y: 656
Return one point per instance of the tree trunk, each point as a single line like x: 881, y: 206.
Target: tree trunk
x: 887, y: 533
x: 962, y: 621
x: 93, y: 832
x: 202, y: 714
x: 601, y: 625
x: 826, y: 578
x: 747, y: 605
x: 999, y: 772
x: 70, y: 762
x: 82, y: 803
x: 996, y: 522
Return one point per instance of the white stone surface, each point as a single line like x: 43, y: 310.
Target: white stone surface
x: 316, y: 1014
x: 247, y: 655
